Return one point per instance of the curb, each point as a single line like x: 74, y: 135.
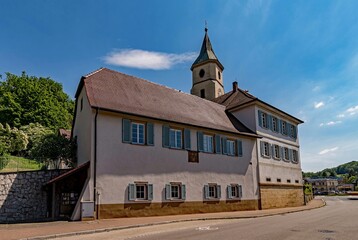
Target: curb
x: 101, y: 230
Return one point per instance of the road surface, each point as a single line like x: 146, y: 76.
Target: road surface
x: 337, y: 221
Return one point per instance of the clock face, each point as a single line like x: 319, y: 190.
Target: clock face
x: 201, y: 73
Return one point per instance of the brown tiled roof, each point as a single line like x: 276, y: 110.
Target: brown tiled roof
x: 114, y: 91
x: 240, y: 97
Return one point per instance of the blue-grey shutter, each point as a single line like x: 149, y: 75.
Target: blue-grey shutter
x: 224, y: 150
x: 168, y: 193
x: 200, y: 137
x: 239, y: 148
x: 150, y: 192
x: 273, y: 150
x: 295, y: 132
x: 131, y: 192
x: 126, y: 130
x: 260, y: 118
x: 262, y: 148
x: 165, y: 136
x: 217, y: 144
x: 150, y: 134
x: 282, y: 151
x: 288, y: 127
x: 187, y: 141
x: 270, y: 150
x: 290, y: 154
x: 218, y: 191
x: 240, y: 191
x: 229, y: 192
x: 269, y: 121
x: 206, y: 191
x: 183, y: 192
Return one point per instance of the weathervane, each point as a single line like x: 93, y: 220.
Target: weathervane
x: 206, y: 26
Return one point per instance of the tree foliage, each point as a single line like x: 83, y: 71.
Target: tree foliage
x: 27, y: 99
x: 12, y: 140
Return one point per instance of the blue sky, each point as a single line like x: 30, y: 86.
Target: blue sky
x: 301, y: 56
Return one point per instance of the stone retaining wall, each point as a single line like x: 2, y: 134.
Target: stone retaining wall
x: 280, y: 196
x: 22, y: 197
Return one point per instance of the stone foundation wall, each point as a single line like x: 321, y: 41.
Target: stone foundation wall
x: 280, y: 196
x: 22, y: 197
x: 173, y: 208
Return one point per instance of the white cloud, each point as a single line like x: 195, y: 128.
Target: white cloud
x: 137, y: 58
x: 316, y: 88
x: 353, y: 110
x: 318, y: 105
x: 341, y: 116
x: 328, y: 150
x: 331, y: 123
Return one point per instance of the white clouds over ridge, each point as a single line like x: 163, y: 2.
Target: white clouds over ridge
x: 137, y: 58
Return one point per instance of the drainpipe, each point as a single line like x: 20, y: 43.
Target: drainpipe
x: 95, y: 165
x: 258, y: 173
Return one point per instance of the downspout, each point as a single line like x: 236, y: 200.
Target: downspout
x: 95, y: 165
x: 258, y: 173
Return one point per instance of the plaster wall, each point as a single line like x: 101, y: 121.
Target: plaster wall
x: 120, y: 164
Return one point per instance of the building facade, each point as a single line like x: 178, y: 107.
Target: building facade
x: 153, y: 150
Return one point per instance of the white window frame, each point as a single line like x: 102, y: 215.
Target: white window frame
x: 208, y: 143
x: 212, y: 191
x: 178, y: 135
x: 235, y: 191
x: 264, y: 120
x: 276, y: 149
x: 274, y: 124
x: 137, y: 133
x: 231, y: 147
x: 292, y: 131
x: 294, y: 156
x: 145, y: 191
x: 284, y: 127
x: 178, y: 191
x: 286, y: 153
x: 266, y: 149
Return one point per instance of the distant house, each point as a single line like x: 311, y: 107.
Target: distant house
x: 323, y: 185
x: 153, y: 150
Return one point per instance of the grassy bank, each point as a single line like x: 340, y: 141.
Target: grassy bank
x: 15, y: 164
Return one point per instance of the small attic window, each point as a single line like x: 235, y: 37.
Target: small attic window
x: 201, y: 73
x: 202, y: 93
x: 81, y: 104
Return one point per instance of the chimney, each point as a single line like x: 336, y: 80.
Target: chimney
x: 234, y: 86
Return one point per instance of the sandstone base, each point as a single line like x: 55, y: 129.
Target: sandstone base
x: 281, y: 195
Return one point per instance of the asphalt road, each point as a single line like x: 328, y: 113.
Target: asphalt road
x: 337, y: 221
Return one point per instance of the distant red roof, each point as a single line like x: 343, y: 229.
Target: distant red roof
x: 114, y: 91
x: 65, y: 133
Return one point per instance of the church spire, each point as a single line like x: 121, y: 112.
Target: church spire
x: 206, y: 52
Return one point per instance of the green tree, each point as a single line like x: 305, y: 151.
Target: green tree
x: 12, y: 140
x: 35, y: 133
x: 27, y: 99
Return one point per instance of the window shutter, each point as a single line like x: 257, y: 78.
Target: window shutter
x: 262, y: 148
x: 131, y: 192
x: 126, y: 130
x: 187, y: 141
x: 260, y: 118
x: 217, y: 144
x: 224, y: 150
x: 282, y: 150
x: 150, y: 134
x: 150, y: 191
x: 273, y: 150
x: 165, y: 136
x: 288, y: 127
x: 239, y: 148
x: 218, y: 191
x: 229, y: 192
x: 183, y: 192
x: 295, y: 132
x: 206, y: 191
x: 270, y: 150
x: 240, y: 191
x: 168, y: 193
x: 290, y: 154
x: 279, y: 125
x: 200, y: 137
x: 269, y: 122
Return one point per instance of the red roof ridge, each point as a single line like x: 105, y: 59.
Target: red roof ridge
x: 93, y: 72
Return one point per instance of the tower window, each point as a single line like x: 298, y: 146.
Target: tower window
x: 219, y: 74
x: 202, y: 93
x: 201, y: 73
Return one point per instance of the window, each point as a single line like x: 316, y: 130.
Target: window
x: 201, y: 73
x: 234, y: 191
x: 208, y: 143
x: 296, y: 181
x: 277, y: 153
x: 175, y: 138
x: 231, y: 147
x: 81, y: 106
x: 140, y: 191
x: 274, y: 124
x: 175, y: 191
x: 284, y: 127
x: 292, y: 131
x: 265, y: 149
x: 219, y: 74
x: 202, y: 93
x: 268, y: 179
x: 137, y: 132
x: 264, y: 120
x: 294, y: 156
x: 212, y: 191
x: 288, y: 180
x: 286, y: 155
x: 278, y: 179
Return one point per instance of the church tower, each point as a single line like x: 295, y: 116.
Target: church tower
x: 207, y: 72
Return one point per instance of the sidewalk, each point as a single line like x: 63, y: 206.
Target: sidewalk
x: 51, y: 230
